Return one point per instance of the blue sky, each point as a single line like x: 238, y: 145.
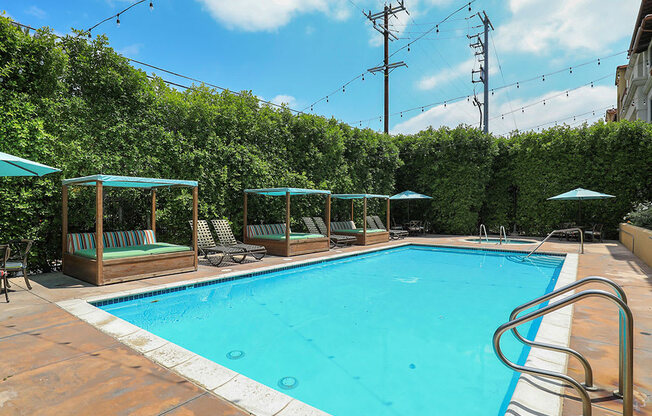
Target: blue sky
x: 297, y: 51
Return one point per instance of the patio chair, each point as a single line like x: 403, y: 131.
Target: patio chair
x: 18, y: 261
x: 595, y: 232
x: 337, y: 240
x: 4, y: 255
x: 416, y: 227
x: 371, y: 223
x: 211, y: 251
x: 393, y: 234
x: 227, y: 239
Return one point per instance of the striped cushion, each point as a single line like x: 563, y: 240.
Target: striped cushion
x: 145, y: 237
x: 342, y: 225
x: 265, y: 229
x: 116, y: 239
x: 80, y: 241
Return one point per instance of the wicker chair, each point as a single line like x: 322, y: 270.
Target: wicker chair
x: 227, y: 239
x: 211, y: 251
x: 595, y: 232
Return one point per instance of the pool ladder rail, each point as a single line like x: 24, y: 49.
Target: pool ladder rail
x: 502, y: 232
x: 565, y: 230
x: 625, y: 335
x: 486, y: 237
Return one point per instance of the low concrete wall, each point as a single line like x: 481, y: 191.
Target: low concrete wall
x: 638, y: 240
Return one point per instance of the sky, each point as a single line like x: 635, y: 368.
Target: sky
x: 299, y: 51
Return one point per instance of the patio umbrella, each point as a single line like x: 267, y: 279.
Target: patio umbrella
x: 578, y: 195
x: 16, y: 166
x: 408, y: 195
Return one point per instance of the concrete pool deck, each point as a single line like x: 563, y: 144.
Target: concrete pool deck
x: 53, y: 357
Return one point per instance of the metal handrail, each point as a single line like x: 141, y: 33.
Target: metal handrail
x: 482, y: 227
x: 588, y: 372
x: 627, y: 327
x: 502, y: 232
x: 631, y: 235
x: 565, y: 230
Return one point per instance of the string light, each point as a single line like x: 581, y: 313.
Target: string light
x: 571, y: 69
x: 343, y: 90
x: 598, y: 61
x: 408, y: 48
x: 151, y: 6
x: 469, y: 6
x: 118, y: 21
x: 543, y: 78
x: 437, y: 28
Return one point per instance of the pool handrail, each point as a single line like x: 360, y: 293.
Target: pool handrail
x: 627, y: 326
x: 588, y: 372
x: 486, y: 237
x: 565, y: 230
x: 502, y: 232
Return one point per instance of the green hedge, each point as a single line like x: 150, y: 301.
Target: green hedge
x: 81, y: 107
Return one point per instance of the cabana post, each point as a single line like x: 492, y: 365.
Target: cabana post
x: 279, y: 239
x: 363, y: 235
x: 110, y: 257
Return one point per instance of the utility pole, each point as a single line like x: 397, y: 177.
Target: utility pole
x: 481, y: 47
x: 383, y: 28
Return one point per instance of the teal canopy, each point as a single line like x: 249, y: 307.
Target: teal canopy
x: 128, y: 182
x: 580, y: 194
x: 409, y: 195
x: 16, y: 166
x: 284, y: 191
x: 358, y: 196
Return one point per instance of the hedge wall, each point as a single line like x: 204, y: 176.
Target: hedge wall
x: 81, y: 107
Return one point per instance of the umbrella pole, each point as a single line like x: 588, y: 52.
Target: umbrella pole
x: 579, y: 209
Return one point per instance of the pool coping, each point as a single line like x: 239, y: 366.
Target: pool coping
x: 260, y: 400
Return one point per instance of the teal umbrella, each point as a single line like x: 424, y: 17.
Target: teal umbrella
x: 579, y: 195
x: 408, y: 196
x: 16, y: 166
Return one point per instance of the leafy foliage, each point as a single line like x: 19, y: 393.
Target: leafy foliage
x: 79, y: 106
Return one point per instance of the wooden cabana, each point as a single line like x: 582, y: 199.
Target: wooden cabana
x: 124, y: 255
x: 364, y: 236
x: 279, y: 239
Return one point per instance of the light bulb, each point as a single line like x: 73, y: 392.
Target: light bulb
x: 151, y: 5
x: 118, y: 20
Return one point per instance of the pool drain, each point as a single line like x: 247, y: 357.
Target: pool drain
x: 235, y: 354
x: 288, y: 383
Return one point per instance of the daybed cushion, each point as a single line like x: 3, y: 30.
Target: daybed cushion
x: 132, y: 251
x: 342, y: 225
x: 360, y: 231
x: 84, y: 241
x: 260, y: 230
x: 293, y: 236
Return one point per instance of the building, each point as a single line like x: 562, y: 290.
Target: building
x: 634, y: 80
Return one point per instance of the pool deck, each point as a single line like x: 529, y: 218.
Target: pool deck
x: 54, y: 363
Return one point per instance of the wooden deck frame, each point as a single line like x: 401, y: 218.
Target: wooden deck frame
x: 130, y: 268
x: 366, y: 238
x: 288, y: 247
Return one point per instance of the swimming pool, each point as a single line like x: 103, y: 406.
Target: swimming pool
x: 401, y: 331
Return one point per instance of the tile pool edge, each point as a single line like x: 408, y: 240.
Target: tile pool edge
x: 260, y: 400
x: 536, y: 396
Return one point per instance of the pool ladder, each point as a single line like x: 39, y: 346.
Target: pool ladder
x: 565, y: 230
x: 625, y: 334
x: 482, y: 227
x: 502, y: 232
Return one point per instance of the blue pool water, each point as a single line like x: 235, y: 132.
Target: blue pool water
x: 404, y: 331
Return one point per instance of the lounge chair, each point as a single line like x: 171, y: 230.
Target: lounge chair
x: 4, y: 255
x: 211, y: 251
x: 17, y: 262
x: 337, y: 240
x: 595, y: 232
x: 393, y: 234
x: 226, y: 237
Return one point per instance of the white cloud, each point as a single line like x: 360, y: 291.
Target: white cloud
x: 268, y: 15
x: 281, y: 99
x: 557, y: 107
x: 463, y: 69
x: 36, y: 12
x: 131, y: 50
x: 546, y: 26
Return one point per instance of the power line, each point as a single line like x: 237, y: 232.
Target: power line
x: 176, y: 74
x: 117, y: 16
x: 502, y: 75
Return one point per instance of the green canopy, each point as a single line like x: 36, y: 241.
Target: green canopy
x: 128, y: 182
x: 16, y: 166
x: 579, y: 194
x: 284, y: 191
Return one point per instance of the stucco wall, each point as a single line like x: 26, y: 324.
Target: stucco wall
x: 640, y: 239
